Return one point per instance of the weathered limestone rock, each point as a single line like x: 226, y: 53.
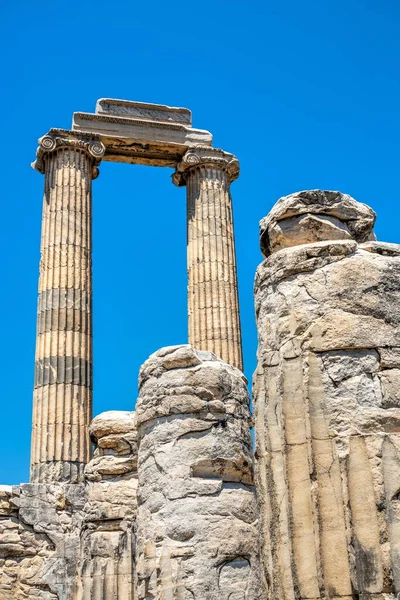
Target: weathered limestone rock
x: 327, y: 401
x: 313, y: 216
x: 62, y: 407
x: 197, y: 514
x: 64, y: 541
x: 213, y: 304
x: 39, y: 540
x: 107, y: 567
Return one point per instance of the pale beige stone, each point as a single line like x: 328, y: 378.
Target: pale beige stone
x: 312, y: 216
x: 111, y: 423
x: 390, y: 381
x: 326, y: 395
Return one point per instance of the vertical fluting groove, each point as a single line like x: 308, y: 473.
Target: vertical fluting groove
x: 233, y: 312
x: 62, y: 397
x: 97, y: 589
x: 189, y: 250
x: 217, y: 269
x: 87, y: 580
x: 210, y: 242
x: 231, y: 281
x: 298, y: 477
x: 262, y: 485
x: 194, y: 265
x: 227, y: 282
x: 391, y: 479
x: 234, y: 294
x: 364, y: 519
x: 61, y: 352
x: 193, y: 270
x: 201, y: 225
x: 77, y: 281
x: 110, y: 592
x: 335, y: 559
x: 125, y: 571
x: 45, y: 398
x: 207, y: 241
x: 278, y: 515
x: 89, y: 340
x: 40, y: 348
x: 192, y: 224
x: 213, y: 307
x: 189, y: 254
x: 214, y: 285
x: 37, y: 409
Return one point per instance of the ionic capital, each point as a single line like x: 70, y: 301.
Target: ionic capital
x: 203, y: 156
x: 61, y: 138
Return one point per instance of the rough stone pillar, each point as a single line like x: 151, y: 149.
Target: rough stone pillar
x: 62, y: 405
x: 107, y: 567
x: 213, y: 305
x: 327, y: 401
x: 197, y: 513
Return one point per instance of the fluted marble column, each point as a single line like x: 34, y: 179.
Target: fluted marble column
x: 62, y: 405
x: 213, y: 305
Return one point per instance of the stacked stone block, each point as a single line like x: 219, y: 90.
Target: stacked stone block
x: 197, y: 512
x: 107, y: 552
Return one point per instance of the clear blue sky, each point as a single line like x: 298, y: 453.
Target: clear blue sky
x: 306, y: 94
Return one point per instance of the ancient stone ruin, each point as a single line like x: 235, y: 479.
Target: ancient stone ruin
x: 170, y: 502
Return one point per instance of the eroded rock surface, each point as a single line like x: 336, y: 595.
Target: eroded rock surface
x: 107, y: 564
x: 327, y: 400
x: 75, y: 541
x: 197, y: 513
x: 39, y: 540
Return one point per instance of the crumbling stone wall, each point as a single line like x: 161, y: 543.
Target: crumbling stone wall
x: 197, y: 512
x: 327, y: 400
x: 39, y: 540
x: 75, y: 541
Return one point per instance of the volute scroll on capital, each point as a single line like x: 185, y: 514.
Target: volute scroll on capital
x: 57, y: 139
x: 203, y: 156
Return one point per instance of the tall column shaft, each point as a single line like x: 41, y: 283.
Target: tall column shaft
x: 213, y: 304
x: 62, y: 405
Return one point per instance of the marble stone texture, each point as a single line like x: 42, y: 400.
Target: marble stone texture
x: 327, y: 401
